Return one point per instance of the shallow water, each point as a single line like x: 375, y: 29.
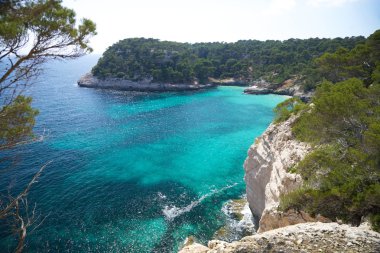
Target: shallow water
x: 132, y: 172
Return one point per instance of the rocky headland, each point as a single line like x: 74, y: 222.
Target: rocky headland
x: 268, y: 175
x: 91, y: 81
x: 289, y: 87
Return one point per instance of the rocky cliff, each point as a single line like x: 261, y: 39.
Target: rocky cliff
x: 267, y: 176
x: 267, y: 167
x: 91, y: 81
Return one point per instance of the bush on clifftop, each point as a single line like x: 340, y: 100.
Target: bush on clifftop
x: 342, y: 175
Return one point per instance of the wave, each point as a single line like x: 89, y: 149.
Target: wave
x: 171, y: 212
x: 239, y: 220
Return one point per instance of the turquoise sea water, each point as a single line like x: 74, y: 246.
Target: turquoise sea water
x: 132, y: 172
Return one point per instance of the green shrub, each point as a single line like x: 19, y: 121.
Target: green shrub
x: 342, y: 174
x: 296, y: 199
x: 375, y: 222
x: 285, y: 109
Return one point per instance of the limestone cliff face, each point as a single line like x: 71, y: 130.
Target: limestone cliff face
x: 90, y: 81
x: 267, y: 167
x: 267, y: 177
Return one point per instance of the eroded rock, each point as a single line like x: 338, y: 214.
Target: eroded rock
x: 90, y: 81
x: 306, y: 237
x: 267, y: 167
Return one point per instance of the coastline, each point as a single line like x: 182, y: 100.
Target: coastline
x: 267, y: 176
x: 90, y: 81
x: 290, y: 87
x: 256, y: 88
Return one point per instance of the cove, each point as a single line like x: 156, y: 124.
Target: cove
x: 132, y: 171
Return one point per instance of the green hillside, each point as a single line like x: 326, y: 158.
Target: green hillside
x: 248, y: 60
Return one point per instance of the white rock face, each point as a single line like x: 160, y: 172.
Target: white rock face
x: 306, y: 237
x: 267, y: 165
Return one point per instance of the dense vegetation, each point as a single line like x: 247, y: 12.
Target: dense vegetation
x: 163, y: 61
x: 342, y: 175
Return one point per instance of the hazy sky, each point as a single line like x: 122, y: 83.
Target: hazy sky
x: 226, y: 20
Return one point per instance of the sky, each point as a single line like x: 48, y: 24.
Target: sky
x: 226, y: 20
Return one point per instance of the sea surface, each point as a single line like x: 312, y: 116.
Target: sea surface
x: 131, y: 171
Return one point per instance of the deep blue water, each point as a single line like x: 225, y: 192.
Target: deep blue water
x: 132, y: 172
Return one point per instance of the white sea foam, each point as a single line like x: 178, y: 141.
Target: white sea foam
x: 171, y: 212
x: 161, y: 195
x: 237, y: 227
x: 246, y: 224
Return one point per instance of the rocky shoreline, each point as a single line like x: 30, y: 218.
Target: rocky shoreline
x: 290, y: 87
x: 306, y: 237
x: 267, y: 176
x: 230, y: 82
x: 90, y: 81
x: 240, y: 221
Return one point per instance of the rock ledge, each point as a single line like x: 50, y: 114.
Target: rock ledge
x: 306, y: 237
